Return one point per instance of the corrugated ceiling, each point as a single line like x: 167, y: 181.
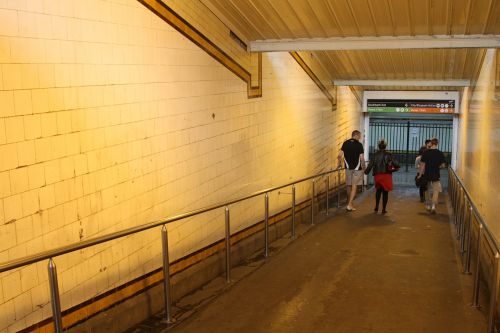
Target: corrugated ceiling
x: 281, y: 19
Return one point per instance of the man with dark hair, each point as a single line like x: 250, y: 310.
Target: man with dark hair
x: 352, y: 156
x: 428, y: 143
x: 432, y: 160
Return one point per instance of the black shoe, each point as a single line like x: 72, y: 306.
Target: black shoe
x: 376, y: 210
x: 384, y: 212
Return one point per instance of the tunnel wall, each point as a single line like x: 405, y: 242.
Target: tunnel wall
x: 109, y: 118
x: 479, y: 141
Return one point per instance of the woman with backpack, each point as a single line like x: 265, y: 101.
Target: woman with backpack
x: 383, y: 165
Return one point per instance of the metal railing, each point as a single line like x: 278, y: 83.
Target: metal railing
x: 406, y: 137
x: 50, y: 254
x: 466, y: 218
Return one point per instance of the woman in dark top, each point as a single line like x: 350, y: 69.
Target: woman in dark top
x: 383, y: 165
x: 421, y: 184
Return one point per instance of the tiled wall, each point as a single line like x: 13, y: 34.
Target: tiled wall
x: 109, y: 118
x: 480, y: 140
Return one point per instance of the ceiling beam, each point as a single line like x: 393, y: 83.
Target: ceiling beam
x: 407, y: 83
x: 376, y: 43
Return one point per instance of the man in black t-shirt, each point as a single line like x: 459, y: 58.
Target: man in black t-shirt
x: 352, y: 156
x: 430, y: 164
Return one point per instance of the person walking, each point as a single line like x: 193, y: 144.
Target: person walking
x: 430, y: 164
x: 420, y: 182
x: 383, y: 165
x: 352, y: 156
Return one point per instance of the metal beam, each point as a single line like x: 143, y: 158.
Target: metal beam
x: 407, y: 83
x: 376, y: 43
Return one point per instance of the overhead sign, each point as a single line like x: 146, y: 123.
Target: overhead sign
x: 410, y: 106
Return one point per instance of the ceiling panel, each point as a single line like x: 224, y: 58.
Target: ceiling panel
x: 340, y: 18
x: 324, y: 17
x: 307, y: 18
x: 441, y: 16
x: 284, y: 19
x: 382, y: 17
x: 400, y: 13
x: 456, y: 17
x: 343, y: 14
x: 493, y: 25
x: 432, y: 64
x: 290, y: 23
x: 361, y: 15
x: 239, y: 19
x: 419, y: 16
x: 478, y: 16
x: 272, y: 15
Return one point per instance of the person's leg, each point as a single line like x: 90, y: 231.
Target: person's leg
x: 356, y: 179
x: 385, y: 200
x: 348, y: 182
x: 428, y: 196
x: 422, y: 193
x: 354, y: 188
x: 378, y: 194
x: 436, y: 188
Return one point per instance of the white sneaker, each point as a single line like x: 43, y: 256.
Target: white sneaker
x: 433, y: 209
x: 350, y: 209
x: 428, y: 207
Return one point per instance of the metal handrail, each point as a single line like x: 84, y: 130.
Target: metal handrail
x: 50, y: 254
x: 479, y: 217
x: 9, y: 265
x: 464, y: 210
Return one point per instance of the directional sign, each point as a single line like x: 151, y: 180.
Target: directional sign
x: 410, y: 106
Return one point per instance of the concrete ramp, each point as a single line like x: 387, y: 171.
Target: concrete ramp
x: 354, y: 272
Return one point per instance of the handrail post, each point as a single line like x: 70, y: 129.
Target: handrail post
x: 266, y: 225
x: 469, y: 244
x: 451, y: 182
x: 455, y: 206
x: 493, y: 296
x: 451, y: 185
x: 453, y: 203
x: 460, y: 217
x: 475, y: 289
x: 54, y: 296
x: 228, y: 247
x: 327, y: 193
x: 338, y: 188
x: 458, y: 210
x: 166, y: 275
x: 312, y: 201
x: 455, y: 191
x: 463, y: 226
x: 293, y: 211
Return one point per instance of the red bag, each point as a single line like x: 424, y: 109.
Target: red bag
x: 391, y: 167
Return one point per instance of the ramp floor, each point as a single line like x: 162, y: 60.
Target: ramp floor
x: 355, y: 272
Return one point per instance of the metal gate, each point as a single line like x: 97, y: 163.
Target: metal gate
x: 404, y: 138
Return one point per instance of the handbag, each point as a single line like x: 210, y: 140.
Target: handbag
x: 420, y: 182
x: 391, y: 167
